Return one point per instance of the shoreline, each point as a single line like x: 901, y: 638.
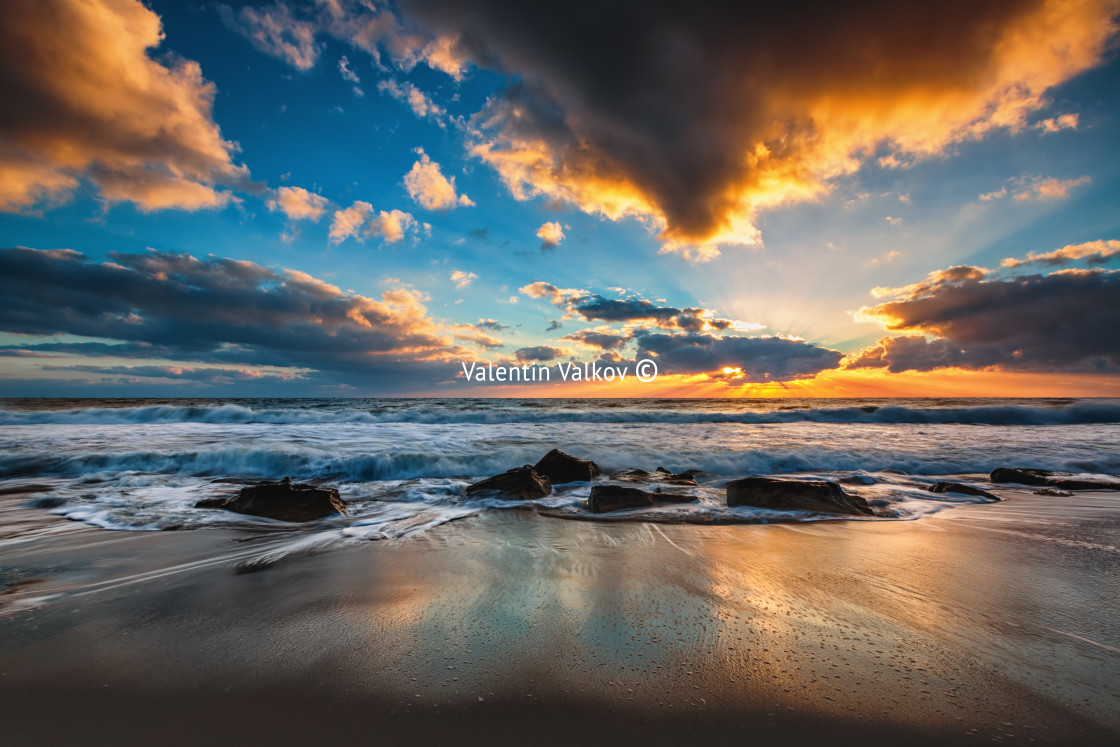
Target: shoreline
x: 960, y: 623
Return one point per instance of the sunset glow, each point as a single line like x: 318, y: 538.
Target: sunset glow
x: 343, y: 199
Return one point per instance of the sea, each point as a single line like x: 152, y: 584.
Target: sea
x: 403, y: 465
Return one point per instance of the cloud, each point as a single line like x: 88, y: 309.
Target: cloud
x: 1049, y: 189
x: 594, y: 307
x: 221, y: 311
x: 420, y: 103
x: 292, y: 33
x: 695, y: 122
x: 348, y: 222
x: 298, y: 204
x: 1037, y: 188
x: 750, y: 359
x: 1064, y: 122
x: 83, y: 99
x: 348, y: 73
x: 462, y: 279
x: 492, y: 324
x: 275, y: 30
x: 551, y: 233
x: 475, y: 334
x: 540, y: 353
x: 359, y: 221
x: 604, y: 339
x: 429, y: 188
x: 203, y: 376
x: 1066, y: 320
x: 1093, y: 252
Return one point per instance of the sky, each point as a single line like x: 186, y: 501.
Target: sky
x: 354, y: 198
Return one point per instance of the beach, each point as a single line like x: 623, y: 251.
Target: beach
x: 990, y: 622
x: 127, y: 615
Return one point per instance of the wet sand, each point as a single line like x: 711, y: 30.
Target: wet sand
x: 980, y: 623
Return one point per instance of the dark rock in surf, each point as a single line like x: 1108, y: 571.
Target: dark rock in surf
x: 559, y: 468
x: 284, y: 501
x: 517, y: 484
x: 661, y: 475
x: 1054, y: 492
x: 795, y: 495
x: 960, y: 487
x: 1046, y: 478
x: 607, y: 498
x: 660, y: 496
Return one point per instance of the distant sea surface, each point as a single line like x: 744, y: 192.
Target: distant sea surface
x: 402, y: 465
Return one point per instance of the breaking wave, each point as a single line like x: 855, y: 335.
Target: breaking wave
x: 1072, y: 413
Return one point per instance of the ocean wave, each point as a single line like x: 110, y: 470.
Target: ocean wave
x: 1074, y: 413
x: 303, y: 463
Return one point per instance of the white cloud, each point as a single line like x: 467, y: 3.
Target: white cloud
x: 420, y: 103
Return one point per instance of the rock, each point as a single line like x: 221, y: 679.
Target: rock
x: 1046, y: 478
x: 284, y: 500
x: 664, y: 471
x: 1053, y: 491
x: 635, y: 473
x: 960, y: 487
x: 795, y: 495
x: 517, y: 484
x: 606, y: 498
x: 559, y: 468
x: 1021, y: 476
x: 662, y: 497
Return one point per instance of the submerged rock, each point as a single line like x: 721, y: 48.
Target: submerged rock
x: 284, y: 500
x: 795, y: 495
x: 960, y: 487
x: 559, y: 468
x: 1046, y: 478
x: 607, y: 498
x: 1053, y: 491
x: 662, y: 476
x: 517, y: 484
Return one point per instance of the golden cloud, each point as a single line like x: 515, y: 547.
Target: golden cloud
x: 83, y: 99
x: 693, y: 123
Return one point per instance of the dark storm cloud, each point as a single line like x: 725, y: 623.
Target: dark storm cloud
x: 599, y: 338
x: 539, y: 353
x: 177, y: 373
x: 174, y: 306
x: 1067, y: 320
x: 696, y: 115
x: 594, y: 307
x: 760, y: 358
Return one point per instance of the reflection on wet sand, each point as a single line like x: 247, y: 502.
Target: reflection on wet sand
x: 963, y: 622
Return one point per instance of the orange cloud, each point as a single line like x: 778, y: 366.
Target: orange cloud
x: 551, y: 233
x: 83, y: 99
x: 1094, y: 252
x: 299, y: 204
x: 429, y: 188
x: 729, y: 115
